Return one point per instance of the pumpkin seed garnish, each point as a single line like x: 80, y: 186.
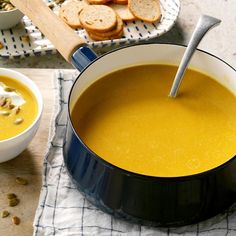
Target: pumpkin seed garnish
x: 5, y: 113
x: 8, y: 89
x: 13, y: 202
x: 21, y: 181
x: 16, y: 110
x: 8, y: 102
x: 11, y: 106
x: 5, y: 214
x: 11, y: 195
x: 15, y: 220
x: 18, y: 121
x: 3, y: 101
x: 5, y: 5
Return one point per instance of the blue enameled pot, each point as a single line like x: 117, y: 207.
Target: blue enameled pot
x: 160, y: 201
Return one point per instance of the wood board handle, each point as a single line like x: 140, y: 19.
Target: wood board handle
x: 65, y: 40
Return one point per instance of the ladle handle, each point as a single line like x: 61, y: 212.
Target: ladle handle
x: 65, y: 40
x: 204, y: 24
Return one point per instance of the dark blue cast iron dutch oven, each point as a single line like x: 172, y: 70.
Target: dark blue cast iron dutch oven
x: 161, y: 201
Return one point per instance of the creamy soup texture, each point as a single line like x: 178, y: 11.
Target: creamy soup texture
x: 18, y: 108
x: 127, y: 119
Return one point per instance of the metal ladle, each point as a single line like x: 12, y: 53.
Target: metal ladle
x: 205, y: 23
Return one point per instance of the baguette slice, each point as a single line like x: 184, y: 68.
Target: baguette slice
x: 146, y: 10
x: 110, y: 34
x: 98, y: 18
x: 97, y: 37
x: 69, y: 13
x: 123, y: 11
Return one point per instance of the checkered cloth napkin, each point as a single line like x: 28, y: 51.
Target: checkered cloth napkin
x: 62, y: 209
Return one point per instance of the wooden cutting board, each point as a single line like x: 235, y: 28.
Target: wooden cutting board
x: 28, y: 164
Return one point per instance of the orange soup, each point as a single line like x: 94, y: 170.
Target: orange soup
x: 18, y: 108
x: 128, y: 120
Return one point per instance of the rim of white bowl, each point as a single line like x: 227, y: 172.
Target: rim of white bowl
x: 35, y: 91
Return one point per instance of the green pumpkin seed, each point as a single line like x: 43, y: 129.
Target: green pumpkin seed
x: 17, y: 110
x: 5, y: 214
x: 13, y: 202
x: 8, y: 102
x: 5, y: 113
x: 3, y: 101
x: 15, y: 220
x: 18, y: 121
x: 21, y: 181
x: 5, y: 5
x: 8, y: 89
x: 11, y: 195
x: 11, y: 106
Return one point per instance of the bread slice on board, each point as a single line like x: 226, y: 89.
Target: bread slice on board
x: 123, y: 11
x: 115, y: 33
x: 69, y: 13
x: 98, y: 37
x: 98, y: 18
x: 146, y: 10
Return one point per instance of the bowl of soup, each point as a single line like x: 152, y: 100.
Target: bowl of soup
x: 142, y: 156
x: 21, y: 106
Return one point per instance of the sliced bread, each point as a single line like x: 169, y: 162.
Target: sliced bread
x: 98, y: 18
x: 146, y: 10
x: 69, y: 13
x: 123, y: 11
x: 112, y: 33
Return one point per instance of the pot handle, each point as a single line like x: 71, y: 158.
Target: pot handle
x: 66, y: 41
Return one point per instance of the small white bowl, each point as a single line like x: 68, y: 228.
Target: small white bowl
x: 9, y: 19
x: 12, y: 147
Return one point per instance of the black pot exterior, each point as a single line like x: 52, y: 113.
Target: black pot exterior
x: 149, y: 200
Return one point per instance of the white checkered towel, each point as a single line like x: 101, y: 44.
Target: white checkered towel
x: 62, y: 210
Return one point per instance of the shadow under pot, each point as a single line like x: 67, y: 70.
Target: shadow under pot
x: 139, y: 197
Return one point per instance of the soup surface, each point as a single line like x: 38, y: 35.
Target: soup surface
x: 18, y: 108
x: 127, y: 119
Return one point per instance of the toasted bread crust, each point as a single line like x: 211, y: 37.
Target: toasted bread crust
x: 122, y: 2
x: 98, y: 18
x: 116, y: 31
x: 123, y: 11
x: 101, y: 38
x: 146, y: 10
x: 69, y: 13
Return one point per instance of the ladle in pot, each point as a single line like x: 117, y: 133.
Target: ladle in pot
x: 205, y: 23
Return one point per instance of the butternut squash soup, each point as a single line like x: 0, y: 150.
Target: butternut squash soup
x: 128, y: 120
x: 18, y: 108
